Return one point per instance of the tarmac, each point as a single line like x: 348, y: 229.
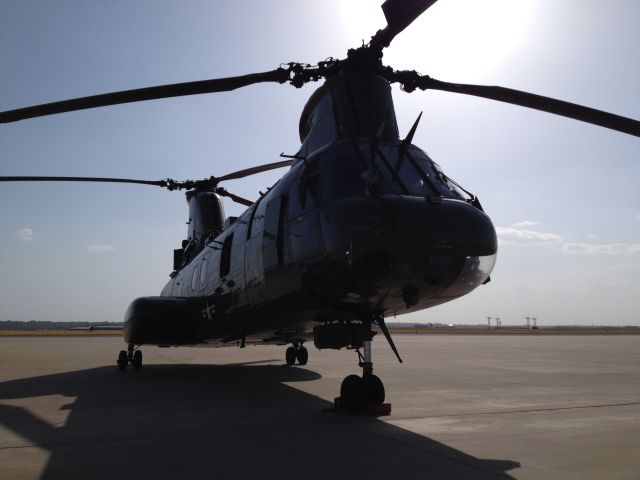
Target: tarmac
x: 463, y: 407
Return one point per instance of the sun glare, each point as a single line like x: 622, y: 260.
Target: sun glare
x: 454, y: 39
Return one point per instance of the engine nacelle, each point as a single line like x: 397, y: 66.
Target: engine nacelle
x: 163, y: 321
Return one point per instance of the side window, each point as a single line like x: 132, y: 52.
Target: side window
x: 203, y: 274
x: 251, y: 220
x: 295, y: 203
x: 256, y: 223
x: 311, y: 189
x: 304, y: 191
x: 195, y: 277
x: 225, y: 256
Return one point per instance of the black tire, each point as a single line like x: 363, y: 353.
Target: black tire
x: 123, y: 361
x: 290, y: 356
x: 374, y: 389
x: 302, y: 354
x: 136, y: 361
x: 352, y: 393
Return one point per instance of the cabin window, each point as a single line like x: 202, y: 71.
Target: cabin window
x: 310, y: 189
x: 304, y: 191
x: 225, y: 256
x: 195, y: 277
x: 280, y: 236
x: 203, y: 274
x: 295, y: 204
x: 251, y: 217
x: 256, y: 224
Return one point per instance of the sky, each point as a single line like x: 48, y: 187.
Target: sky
x: 562, y: 194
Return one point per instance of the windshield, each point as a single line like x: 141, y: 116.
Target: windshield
x: 369, y: 169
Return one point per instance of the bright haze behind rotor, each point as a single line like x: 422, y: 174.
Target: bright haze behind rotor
x: 453, y: 40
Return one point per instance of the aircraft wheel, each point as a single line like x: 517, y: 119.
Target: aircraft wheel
x: 302, y: 354
x: 374, y: 389
x: 290, y: 356
x: 136, y: 361
x: 122, y: 360
x: 352, y: 392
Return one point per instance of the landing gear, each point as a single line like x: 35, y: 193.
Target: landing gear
x: 297, y: 352
x: 356, y: 393
x: 130, y: 356
x: 122, y: 360
x: 136, y: 361
x: 290, y: 356
x: 365, y: 394
x: 302, y: 355
x: 374, y: 389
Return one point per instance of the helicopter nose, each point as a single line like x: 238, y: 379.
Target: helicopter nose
x: 446, y: 225
x: 410, y: 224
x: 415, y: 241
x: 398, y: 253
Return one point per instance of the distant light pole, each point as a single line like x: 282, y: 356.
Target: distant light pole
x: 534, y: 322
x: 498, y: 324
x: 489, y: 322
x: 528, y: 324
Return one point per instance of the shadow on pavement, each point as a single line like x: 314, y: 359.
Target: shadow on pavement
x: 240, y: 421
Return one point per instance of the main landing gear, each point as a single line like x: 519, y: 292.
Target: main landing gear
x: 297, y: 352
x: 366, y: 394
x: 130, y: 356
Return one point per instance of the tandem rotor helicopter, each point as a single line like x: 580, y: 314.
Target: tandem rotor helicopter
x: 363, y: 225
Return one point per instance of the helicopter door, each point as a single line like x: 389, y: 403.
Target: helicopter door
x: 272, y: 235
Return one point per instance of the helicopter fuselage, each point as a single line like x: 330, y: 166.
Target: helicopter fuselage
x: 357, y: 229
x: 363, y: 224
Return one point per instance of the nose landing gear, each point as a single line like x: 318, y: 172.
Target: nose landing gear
x: 365, y: 394
x: 130, y: 356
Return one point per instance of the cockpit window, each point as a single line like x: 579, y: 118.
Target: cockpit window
x: 401, y: 173
x: 369, y: 169
x: 344, y: 177
x: 442, y: 178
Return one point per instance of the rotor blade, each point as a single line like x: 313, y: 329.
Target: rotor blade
x: 225, y: 193
x: 253, y: 170
x: 150, y: 93
x: 159, y: 183
x: 538, y: 102
x: 399, y: 14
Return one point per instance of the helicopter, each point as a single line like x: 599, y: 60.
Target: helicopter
x: 333, y: 247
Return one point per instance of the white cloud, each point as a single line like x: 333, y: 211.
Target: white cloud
x: 603, y: 248
x: 592, y: 236
x: 25, y: 234
x: 527, y: 223
x: 100, y: 248
x: 516, y: 236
